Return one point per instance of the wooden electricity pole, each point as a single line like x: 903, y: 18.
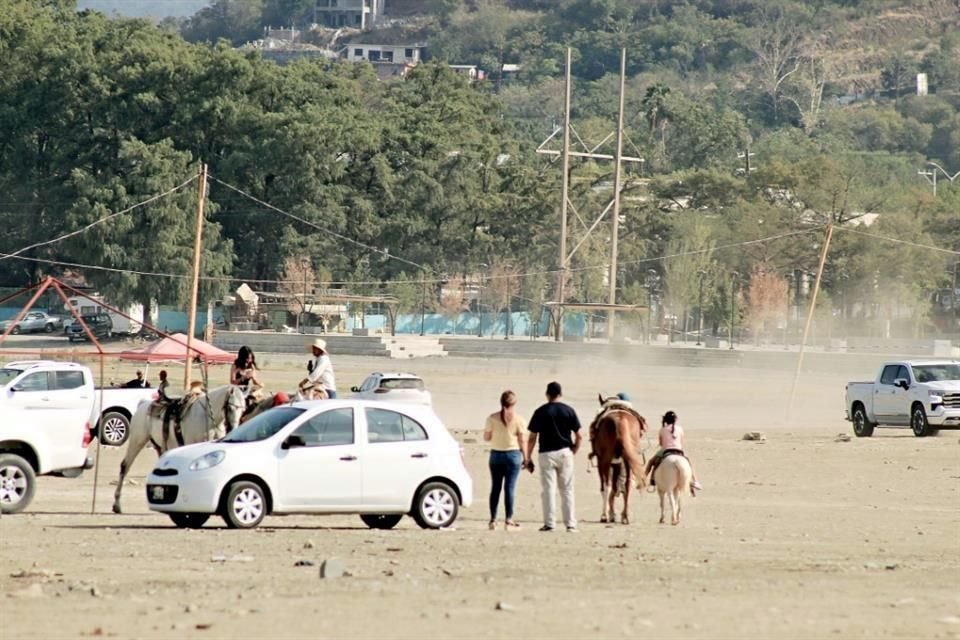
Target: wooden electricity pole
x: 615, y: 218
x: 813, y: 307
x: 564, y: 195
x: 195, y: 278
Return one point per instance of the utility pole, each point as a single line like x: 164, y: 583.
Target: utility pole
x: 813, y: 307
x: 745, y: 156
x: 589, y: 151
x: 615, y: 218
x: 700, y: 310
x: 733, y: 303
x: 931, y: 177
x: 423, y: 305
x: 564, y: 197
x: 195, y: 279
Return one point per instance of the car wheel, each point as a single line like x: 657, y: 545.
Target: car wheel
x: 114, y: 428
x: 436, y: 506
x: 15, y: 330
x: 17, y: 483
x: 381, y: 521
x: 862, y: 427
x: 918, y: 421
x: 189, y: 520
x: 49, y: 328
x: 245, y: 506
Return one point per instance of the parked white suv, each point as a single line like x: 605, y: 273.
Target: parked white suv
x: 393, y: 387
x: 45, y: 414
x: 379, y: 460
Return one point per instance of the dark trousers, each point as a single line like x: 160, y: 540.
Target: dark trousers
x: 504, y: 471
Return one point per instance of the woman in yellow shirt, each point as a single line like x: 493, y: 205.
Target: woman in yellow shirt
x: 506, y: 433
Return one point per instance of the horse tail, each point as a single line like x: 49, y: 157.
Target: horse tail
x: 630, y: 442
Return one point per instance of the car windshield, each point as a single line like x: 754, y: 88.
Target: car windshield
x: 264, y: 425
x: 401, y: 383
x: 7, y: 376
x: 937, y: 372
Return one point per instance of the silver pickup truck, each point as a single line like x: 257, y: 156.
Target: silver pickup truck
x: 922, y: 395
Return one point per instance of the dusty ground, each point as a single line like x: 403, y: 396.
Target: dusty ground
x: 799, y: 536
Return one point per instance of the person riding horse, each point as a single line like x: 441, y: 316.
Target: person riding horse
x: 243, y: 373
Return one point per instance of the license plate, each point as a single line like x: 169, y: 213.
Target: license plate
x: 157, y: 493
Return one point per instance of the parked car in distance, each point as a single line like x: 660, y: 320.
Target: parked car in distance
x: 99, y: 324
x: 393, y: 387
x: 380, y: 460
x: 33, y: 322
x: 45, y: 414
x: 923, y: 395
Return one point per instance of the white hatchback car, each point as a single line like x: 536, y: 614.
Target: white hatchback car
x: 393, y: 387
x: 380, y: 460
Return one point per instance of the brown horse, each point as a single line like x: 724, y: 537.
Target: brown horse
x: 615, y: 440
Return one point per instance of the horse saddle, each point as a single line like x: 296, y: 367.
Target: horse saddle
x: 609, y: 406
x: 171, y: 411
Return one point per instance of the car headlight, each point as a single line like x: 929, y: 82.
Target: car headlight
x: 211, y: 459
x: 935, y: 395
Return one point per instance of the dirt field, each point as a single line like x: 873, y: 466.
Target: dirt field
x: 800, y: 536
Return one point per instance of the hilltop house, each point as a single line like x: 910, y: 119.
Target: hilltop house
x: 356, y: 14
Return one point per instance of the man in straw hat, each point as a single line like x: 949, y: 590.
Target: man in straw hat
x: 320, y: 369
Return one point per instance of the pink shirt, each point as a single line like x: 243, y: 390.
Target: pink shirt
x: 672, y: 440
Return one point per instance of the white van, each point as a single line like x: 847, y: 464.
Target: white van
x: 121, y: 325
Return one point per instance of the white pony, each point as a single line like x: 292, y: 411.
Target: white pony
x: 673, y: 477
x: 203, y: 421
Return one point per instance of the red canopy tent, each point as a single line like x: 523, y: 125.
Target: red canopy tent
x: 173, y: 348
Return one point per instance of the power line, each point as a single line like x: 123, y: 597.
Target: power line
x: 899, y: 241
x: 99, y: 221
x: 362, y: 245
x: 74, y: 265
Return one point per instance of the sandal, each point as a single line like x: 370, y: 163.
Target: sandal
x: 510, y: 524
x: 493, y: 525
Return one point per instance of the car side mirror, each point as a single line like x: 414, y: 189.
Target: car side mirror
x: 355, y: 389
x: 293, y: 441
x: 902, y: 383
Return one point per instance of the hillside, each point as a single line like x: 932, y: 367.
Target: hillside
x: 157, y: 9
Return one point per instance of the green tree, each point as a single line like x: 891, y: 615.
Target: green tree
x: 155, y: 238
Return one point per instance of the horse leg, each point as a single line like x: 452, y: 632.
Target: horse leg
x: 675, y: 505
x: 625, y: 516
x: 661, y: 492
x: 139, y: 435
x: 603, y: 468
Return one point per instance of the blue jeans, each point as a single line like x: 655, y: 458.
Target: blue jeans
x: 504, y: 471
x: 331, y: 394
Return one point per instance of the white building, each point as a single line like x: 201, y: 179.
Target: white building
x: 356, y: 14
x: 396, y: 54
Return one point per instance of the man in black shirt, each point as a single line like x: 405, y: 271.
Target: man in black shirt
x: 557, y: 427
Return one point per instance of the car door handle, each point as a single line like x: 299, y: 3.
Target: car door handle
x: 418, y: 455
x: 348, y: 458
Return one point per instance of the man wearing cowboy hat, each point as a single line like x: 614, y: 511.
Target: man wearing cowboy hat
x: 321, y: 368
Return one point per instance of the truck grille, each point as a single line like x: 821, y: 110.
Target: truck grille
x: 951, y: 400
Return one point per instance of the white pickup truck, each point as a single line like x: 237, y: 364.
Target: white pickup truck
x: 45, y: 414
x: 922, y: 395
x: 119, y: 405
